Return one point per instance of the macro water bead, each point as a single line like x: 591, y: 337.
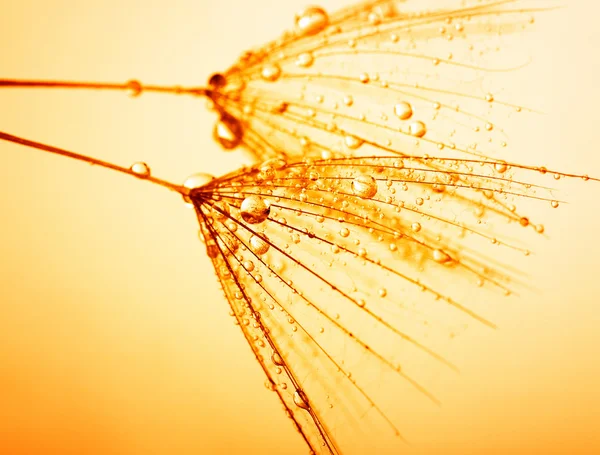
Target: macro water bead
x: 254, y: 209
x: 364, y: 186
x: 311, y: 21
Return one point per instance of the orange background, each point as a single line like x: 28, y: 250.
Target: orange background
x: 114, y: 336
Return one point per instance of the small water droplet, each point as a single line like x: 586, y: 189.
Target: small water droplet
x: 501, y: 167
x: 417, y: 129
x: 382, y: 292
x: 301, y: 400
x: 353, y: 142
x: 140, y: 169
x: 228, y: 132
x: 554, y: 204
x: 348, y: 100
x: 270, y: 72
x: 276, y: 359
x: 441, y: 257
x: 416, y: 227
x: 403, y: 110
x: 305, y: 60
x: 254, y: 209
x: 364, y: 78
x: 135, y: 88
x: 260, y: 245
x: 364, y: 186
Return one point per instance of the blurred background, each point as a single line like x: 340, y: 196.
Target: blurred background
x: 114, y: 335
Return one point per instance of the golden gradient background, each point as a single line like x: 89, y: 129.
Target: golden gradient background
x: 114, y: 336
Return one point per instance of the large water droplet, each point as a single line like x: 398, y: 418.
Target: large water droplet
x: 228, y: 132
x: 311, y: 21
x: 301, y: 400
x: 140, y: 169
x: 403, y: 110
x: 254, y: 209
x: 270, y: 72
x: 195, y: 181
x: 259, y: 245
x: 364, y: 186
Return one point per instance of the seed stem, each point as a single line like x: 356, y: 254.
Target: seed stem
x: 131, y: 86
x: 90, y: 160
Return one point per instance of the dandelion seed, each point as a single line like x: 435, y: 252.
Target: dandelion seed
x: 242, y: 254
x: 269, y: 260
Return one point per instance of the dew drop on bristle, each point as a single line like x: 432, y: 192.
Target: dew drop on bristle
x: 501, y: 167
x: 311, y: 21
x: 301, y: 400
x: 305, y: 60
x: 364, y: 186
x: 135, y: 88
x: 417, y: 129
x: 196, y: 181
x: 228, y: 132
x: 270, y: 72
x: 276, y: 359
x: 140, y: 169
x: 403, y: 110
x: 217, y: 80
x: 441, y: 257
x: 254, y: 209
x: 259, y: 245
x: 353, y: 142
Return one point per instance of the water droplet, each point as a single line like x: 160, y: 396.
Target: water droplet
x: 311, y: 21
x: 416, y: 227
x: 441, y: 257
x: 228, y: 132
x: 554, y: 204
x: 417, y: 129
x: 382, y: 292
x: 140, y: 169
x: 270, y: 72
x: 403, y: 110
x: 135, y: 88
x: 259, y: 245
x: 248, y: 265
x: 195, y: 181
x: 301, y: 400
x: 501, y: 167
x: 348, y: 100
x: 364, y: 186
x: 344, y: 232
x: 524, y: 221
x: 217, y: 80
x: 353, y: 142
x: 364, y: 78
x: 254, y: 209
x: 276, y: 359
x: 305, y: 60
